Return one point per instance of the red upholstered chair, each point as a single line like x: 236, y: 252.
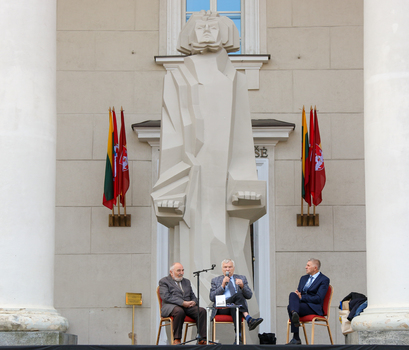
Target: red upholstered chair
x: 316, y: 319
x: 228, y: 319
x: 168, y: 321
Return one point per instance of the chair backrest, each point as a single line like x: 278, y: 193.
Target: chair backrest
x: 159, y: 299
x: 327, y: 301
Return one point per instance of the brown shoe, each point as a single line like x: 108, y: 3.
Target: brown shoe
x: 176, y: 341
x: 202, y: 342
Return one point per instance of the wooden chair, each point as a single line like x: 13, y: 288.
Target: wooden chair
x: 168, y: 321
x: 228, y: 319
x: 316, y: 319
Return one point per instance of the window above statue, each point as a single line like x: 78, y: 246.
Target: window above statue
x: 229, y: 8
x: 249, y: 16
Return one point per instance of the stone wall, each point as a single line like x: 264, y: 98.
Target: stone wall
x: 105, y: 53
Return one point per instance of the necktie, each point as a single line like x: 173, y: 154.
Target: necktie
x: 307, y: 285
x: 179, y: 285
x: 231, y: 287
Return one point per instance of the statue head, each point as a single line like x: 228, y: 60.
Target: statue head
x: 208, y: 31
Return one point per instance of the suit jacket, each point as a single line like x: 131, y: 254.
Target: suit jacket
x: 315, y: 294
x: 217, y: 289
x: 173, y: 296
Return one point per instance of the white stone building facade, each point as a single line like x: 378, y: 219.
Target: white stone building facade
x: 106, y: 57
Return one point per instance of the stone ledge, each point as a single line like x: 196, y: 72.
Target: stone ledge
x: 37, y: 338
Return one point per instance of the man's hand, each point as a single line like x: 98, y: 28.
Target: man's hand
x: 239, y: 283
x: 298, y: 293
x: 188, y: 304
x: 225, y: 281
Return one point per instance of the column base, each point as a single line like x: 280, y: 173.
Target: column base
x: 32, y: 320
x: 37, y: 338
x: 383, y: 337
x: 383, y: 326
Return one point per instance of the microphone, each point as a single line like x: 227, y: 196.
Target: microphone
x: 227, y: 275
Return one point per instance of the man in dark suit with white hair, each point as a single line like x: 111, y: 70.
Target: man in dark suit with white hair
x: 236, y: 289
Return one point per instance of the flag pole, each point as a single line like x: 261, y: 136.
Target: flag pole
x: 311, y: 162
x: 125, y: 204
x: 302, y: 150
x: 315, y: 110
x: 302, y: 155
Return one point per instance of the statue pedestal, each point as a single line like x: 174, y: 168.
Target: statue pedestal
x: 37, y: 338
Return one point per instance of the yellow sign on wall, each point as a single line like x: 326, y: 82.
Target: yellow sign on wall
x: 133, y: 299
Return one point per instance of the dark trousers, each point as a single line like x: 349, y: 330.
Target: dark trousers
x: 302, y: 309
x: 179, y: 313
x: 237, y: 299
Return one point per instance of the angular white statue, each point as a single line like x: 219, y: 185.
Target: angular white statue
x: 208, y: 192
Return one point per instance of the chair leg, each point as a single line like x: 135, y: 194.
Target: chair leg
x: 172, y: 341
x: 184, y: 337
x: 214, y: 331
x: 160, y: 328
x: 330, y: 335
x: 312, y: 332
x: 288, y: 331
x: 243, y: 332
x: 305, y: 333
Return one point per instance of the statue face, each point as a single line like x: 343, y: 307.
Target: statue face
x: 207, y: 31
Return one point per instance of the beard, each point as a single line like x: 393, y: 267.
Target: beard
x: 178, y: 279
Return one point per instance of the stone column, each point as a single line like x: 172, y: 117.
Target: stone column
x: 386, y: 66
x: 27, y: 173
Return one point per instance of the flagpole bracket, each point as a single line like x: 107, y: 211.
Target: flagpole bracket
x: 119, y: 220
x: 308, y: 220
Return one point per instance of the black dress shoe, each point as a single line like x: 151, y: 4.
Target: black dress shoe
x: 254, y: 322
x: 295, y: 319
x: 294, y: 342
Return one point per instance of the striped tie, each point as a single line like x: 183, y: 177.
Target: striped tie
x: 307, y: 285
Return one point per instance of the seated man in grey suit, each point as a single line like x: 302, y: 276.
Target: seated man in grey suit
x: 308, y: 298
x: 178, y: 300
x: 236, y: 289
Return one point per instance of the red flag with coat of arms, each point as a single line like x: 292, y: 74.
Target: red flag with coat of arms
x: 116, y: 157
x: 123, y: 162
x: 319, y: 177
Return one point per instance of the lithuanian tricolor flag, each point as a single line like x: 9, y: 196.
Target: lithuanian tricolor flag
x: 109, y: 196
x: 304, y: 155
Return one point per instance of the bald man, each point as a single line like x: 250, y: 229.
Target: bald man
x: 178, y: 301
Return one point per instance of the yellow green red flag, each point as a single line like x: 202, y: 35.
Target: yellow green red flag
x: 108, y: 198
x: 304, y: 156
